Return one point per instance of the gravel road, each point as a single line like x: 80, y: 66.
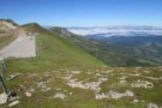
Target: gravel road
x: 23, y: 46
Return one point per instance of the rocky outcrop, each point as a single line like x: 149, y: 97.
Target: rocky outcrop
x: 6, y: 25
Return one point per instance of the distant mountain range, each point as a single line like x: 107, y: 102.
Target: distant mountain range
x: 121, y: 49
x: 87, y: 47
x: 117, y: 31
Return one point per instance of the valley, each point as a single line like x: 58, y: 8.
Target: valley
x: 122, y: 45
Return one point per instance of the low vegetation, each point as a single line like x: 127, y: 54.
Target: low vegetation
x: 119, y: 50
x: 53, y: 52
x: 6, y: 39
x: 63, y: 75
x: 78, y: 89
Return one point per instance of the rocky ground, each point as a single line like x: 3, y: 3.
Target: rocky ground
x: 103, y: 88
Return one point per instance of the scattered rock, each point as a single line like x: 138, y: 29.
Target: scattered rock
x: 95, y: 86
x: 108, y: 71
x: 114, y: 95
x: 146, y: 71
x: 75, y: 72
x: 155, y: 78
x: 14, y: 103
x: 3, y: 98
x: 12, y: 96
x: 31, y: 90
x: 129, y: 93
x: 28, y: 94
x: 70, y: 93
x: 43, y: 86
x: 135, y: 100
x: 13, y: 76
x: 69, y: 77
x: 135, y: 74
x: 98, y: 74
x: 123, y: 77
x: 22, y: 88
x: 59, y: 96
x: 31, y: 75
x: 152, y: 105
x: 123, y: 82
x: 143, y: 84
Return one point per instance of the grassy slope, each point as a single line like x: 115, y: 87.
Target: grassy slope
x: 83, y: 98
x: 127, y: 51
x: 5, y: 40
x: 53, y: 53
x: 119, y: 51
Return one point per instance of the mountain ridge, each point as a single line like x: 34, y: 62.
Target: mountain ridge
x: 122, y: 50
x: 53, y: 52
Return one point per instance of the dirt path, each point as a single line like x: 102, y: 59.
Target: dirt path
x: 23, y: 46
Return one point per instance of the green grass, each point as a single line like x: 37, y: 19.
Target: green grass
x: 6, y: 39
x: 83, y: 98
x: 56, y: 57
x: 53, y: 53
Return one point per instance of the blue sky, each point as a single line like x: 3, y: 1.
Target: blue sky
x: 83, y: 12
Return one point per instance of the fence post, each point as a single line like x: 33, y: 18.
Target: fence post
x: 3, y: 84
x: 4, y: 69
x: 2, y: 75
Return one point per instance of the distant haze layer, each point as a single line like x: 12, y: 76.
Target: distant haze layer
x: 117, y: 31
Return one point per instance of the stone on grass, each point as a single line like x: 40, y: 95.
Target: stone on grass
x: 13, y: 76
x: 3, y: 98
x: 75, y: 72
x: 114, y: 95
x: 152, y: 105
x: 14, y: 103
x: 135, y: 100
x: 43, y: 86
x: 155, y: 78
x: 146, y: 71
x: 94, y: 86
x: 28, y: 94
x: 12, y: 96
x: 123, y: 82
x: 109, y: 71
x: 70, y: 93
x: 59, y: 96
x: 142, y: 84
